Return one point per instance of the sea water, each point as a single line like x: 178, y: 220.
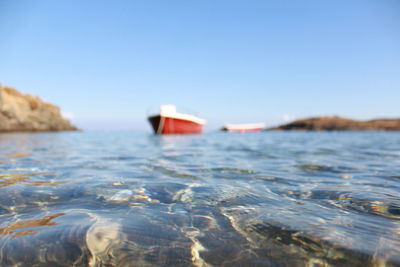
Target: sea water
x: 217, y: 199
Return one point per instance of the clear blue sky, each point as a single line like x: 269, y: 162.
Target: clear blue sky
x: 108, y: 62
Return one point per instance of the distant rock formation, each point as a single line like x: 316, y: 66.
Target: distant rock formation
x: 335, y: 123
x: 23, y: 113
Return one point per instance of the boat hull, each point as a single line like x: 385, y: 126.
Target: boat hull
x: 253, y: 130
x: 168, y: 125
x: 244, y: 127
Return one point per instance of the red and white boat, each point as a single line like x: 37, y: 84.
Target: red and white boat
x: 169, y: 121
x: 243, y: 128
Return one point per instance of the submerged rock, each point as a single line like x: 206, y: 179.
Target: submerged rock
x: 334, y: 123
x: 23, y: 112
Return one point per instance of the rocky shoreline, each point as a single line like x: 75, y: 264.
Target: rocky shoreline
x: 26, y: 113
x: 334, y: 123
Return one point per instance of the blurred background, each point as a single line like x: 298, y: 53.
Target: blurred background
x: 107, y: 63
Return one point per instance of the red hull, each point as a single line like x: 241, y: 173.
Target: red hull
x: 166, y: 125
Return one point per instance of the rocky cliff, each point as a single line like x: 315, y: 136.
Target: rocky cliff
x: 341, y: 124
x: 23, y: 112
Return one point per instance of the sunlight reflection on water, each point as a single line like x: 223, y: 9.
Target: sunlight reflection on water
x: 129, y: 199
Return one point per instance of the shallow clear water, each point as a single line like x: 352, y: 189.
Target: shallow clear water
x: 217, y: 199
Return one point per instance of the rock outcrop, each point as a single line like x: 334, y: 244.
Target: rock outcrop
x: 22, y: 113
x: 341, y: 124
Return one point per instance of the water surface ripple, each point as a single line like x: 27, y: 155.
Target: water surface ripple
x: 217, y: 199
